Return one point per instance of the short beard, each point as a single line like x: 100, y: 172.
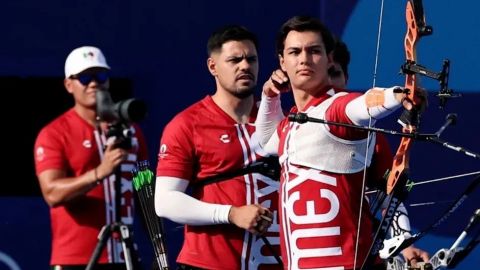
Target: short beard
x: 243, y: 94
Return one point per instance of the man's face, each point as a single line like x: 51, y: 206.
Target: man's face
x: 337, y: 76
x: 83, y: 86
x: 305, y: 60
x: 235, y: 68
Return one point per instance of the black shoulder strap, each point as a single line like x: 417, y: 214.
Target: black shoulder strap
x: 267, y: 166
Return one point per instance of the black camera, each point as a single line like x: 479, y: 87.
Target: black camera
x: 119, y: 116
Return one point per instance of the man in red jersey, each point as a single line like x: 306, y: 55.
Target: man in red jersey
x: 322, y: 166
x: 75, y: 165
x: 215, y: 137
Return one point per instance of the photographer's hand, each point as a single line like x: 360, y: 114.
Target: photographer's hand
x: 58, y: 188
x: 113, y: 157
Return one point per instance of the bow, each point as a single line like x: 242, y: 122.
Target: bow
x: 398, y: 176
x: 416, y: 28
x: 397, y: 182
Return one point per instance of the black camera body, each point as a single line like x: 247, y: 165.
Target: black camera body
x: 119, y: 116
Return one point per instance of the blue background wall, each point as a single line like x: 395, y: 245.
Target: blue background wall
x: 159, y: 46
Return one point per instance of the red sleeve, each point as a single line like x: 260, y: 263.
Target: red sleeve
x: 381, y: 161
x: 336, y: 112
x: 49, y: 151
x: 176, y: 155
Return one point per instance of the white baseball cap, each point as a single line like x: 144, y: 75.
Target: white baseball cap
x: 84, y: 58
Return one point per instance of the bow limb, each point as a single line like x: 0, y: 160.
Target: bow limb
x: 416, y: 28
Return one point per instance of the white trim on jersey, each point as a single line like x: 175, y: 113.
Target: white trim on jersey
x: 247, y: 237
x: 250, y: 143
x: 284, y: 196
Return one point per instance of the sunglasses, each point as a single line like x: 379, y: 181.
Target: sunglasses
x: 87, y: 78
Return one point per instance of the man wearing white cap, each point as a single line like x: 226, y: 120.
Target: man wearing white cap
x: 74, y: 165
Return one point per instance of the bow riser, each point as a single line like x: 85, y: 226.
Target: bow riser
x: 415, y: 22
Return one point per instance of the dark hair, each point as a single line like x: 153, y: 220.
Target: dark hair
x: 229, y: 33
x: 303, y: 24
x: 341, y: 55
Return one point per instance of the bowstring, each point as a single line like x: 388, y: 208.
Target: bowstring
x: 357, y: 240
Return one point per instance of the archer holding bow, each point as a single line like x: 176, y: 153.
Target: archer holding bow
x: 322, y: 165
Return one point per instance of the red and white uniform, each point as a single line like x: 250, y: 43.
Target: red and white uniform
x: 69, y: 143
x: 319, y: 209
x: 203, y: 141
x: 322, y: 175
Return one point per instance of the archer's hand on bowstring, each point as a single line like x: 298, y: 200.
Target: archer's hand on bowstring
x: 253, y: 218
x: 277, y: 83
